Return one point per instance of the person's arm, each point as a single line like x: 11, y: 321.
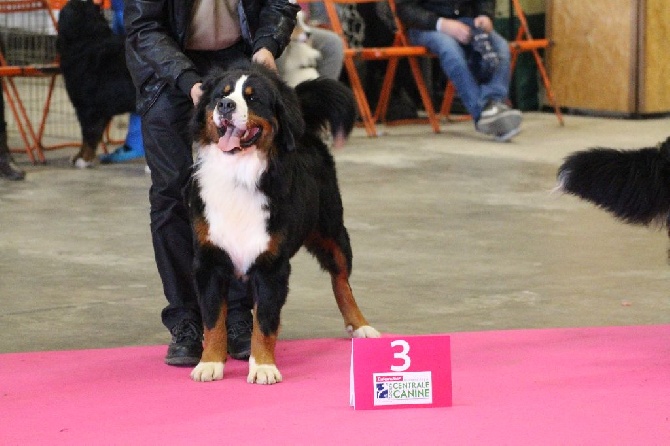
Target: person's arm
x: 275, y: 25
x: 148, y: 34
x: 413, y: 15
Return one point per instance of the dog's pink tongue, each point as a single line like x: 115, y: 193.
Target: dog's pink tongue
x: 231, y: 140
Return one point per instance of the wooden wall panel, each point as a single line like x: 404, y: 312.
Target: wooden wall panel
x: 592, y: 61
x: 655, y: 58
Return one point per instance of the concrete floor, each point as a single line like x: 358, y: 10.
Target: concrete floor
x: 451, y: 232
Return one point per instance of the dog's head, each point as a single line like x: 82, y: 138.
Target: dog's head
x: 301, y: 32
x: 247, y: 109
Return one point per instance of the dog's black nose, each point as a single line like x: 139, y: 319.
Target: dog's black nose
x: 226, y: 106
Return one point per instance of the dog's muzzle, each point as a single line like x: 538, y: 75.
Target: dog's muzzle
x: 234, y: 136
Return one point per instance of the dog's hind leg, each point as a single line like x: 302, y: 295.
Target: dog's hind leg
x: 91, y: 133
x: 334, y: 255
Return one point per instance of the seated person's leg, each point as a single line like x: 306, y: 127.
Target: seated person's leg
x: 454, y: 64
x: 498, y: 118
x: 497, y: 89
x: 132, y: 148
x: 331, y: 48
x: 8, y: 170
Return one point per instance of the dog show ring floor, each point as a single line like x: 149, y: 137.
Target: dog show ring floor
x: 558, y: 314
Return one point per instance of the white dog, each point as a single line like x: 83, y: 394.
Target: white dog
x: 299, y: 60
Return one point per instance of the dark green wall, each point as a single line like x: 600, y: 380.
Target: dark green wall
x: 524, y: 88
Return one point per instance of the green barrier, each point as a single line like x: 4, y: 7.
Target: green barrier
x: 525, y: 84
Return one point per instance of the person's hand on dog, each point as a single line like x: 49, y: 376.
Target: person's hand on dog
x: 196, y: 92
x: 484, y: 23
x: 265, y: 57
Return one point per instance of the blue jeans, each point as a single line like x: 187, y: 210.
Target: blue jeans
x: 453, y: 60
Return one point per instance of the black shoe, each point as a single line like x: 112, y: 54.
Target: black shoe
x: 186, y: 345
x: 239, y: 337
x: 9, y: 170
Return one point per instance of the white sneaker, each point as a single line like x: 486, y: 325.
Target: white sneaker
x: 500, y: 121
x: 511, y: 133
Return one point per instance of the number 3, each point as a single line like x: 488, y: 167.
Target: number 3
x: 401, y: 355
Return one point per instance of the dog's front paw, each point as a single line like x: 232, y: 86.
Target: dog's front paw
x: 364, y: 331
x: 207, y: 371
x: 263, y: 373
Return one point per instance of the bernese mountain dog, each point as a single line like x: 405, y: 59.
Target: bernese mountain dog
x: 633, y: 185
x: 97, y: 81
x: 263, y: 186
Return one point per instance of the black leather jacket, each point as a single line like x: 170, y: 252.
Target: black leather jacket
x: 423, y: 14
x: 156, y: 32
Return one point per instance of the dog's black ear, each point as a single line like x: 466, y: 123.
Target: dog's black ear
x: 289, y: 117
x: 213, y: 77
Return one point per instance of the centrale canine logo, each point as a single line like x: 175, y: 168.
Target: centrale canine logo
x: 403, y: 388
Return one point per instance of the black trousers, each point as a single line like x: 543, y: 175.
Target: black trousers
x: 168, y: 147
x: 3, y: 123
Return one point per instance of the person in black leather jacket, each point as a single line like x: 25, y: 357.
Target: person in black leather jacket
x: 170, y: 46
x: 458, y: 32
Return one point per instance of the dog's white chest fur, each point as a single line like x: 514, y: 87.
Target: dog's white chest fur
x: 235, y: 209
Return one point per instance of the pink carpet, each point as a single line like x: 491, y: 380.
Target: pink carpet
x: 595, y: 386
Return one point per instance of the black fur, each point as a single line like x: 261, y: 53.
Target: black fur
x: 300, y: 182
x: 93, y: 64
x: 340, y: 110
x: 633, y: 185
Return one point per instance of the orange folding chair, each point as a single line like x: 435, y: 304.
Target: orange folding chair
x: 524, y: 42
x: 447, y: 101
x: 399, y: 49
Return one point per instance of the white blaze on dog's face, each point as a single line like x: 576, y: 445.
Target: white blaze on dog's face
x: 239, y: 127
x: 231, y: 114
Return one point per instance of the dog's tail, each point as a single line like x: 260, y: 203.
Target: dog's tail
x: 633, y: 185
x: 327, y: 105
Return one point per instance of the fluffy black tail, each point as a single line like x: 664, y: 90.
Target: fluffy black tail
x: 634, y: 185
x: 327, y: 105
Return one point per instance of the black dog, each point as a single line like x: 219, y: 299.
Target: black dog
x: 633, y: 185
x: 93, y: 64
x: 264, y: 184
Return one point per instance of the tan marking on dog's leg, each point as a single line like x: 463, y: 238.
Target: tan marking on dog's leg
x: 210, y: 367
x: 262, y: 367
x: 354, y: 321
x: 344, y: 296
x: 84, y: 158
x: 88, y: 153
